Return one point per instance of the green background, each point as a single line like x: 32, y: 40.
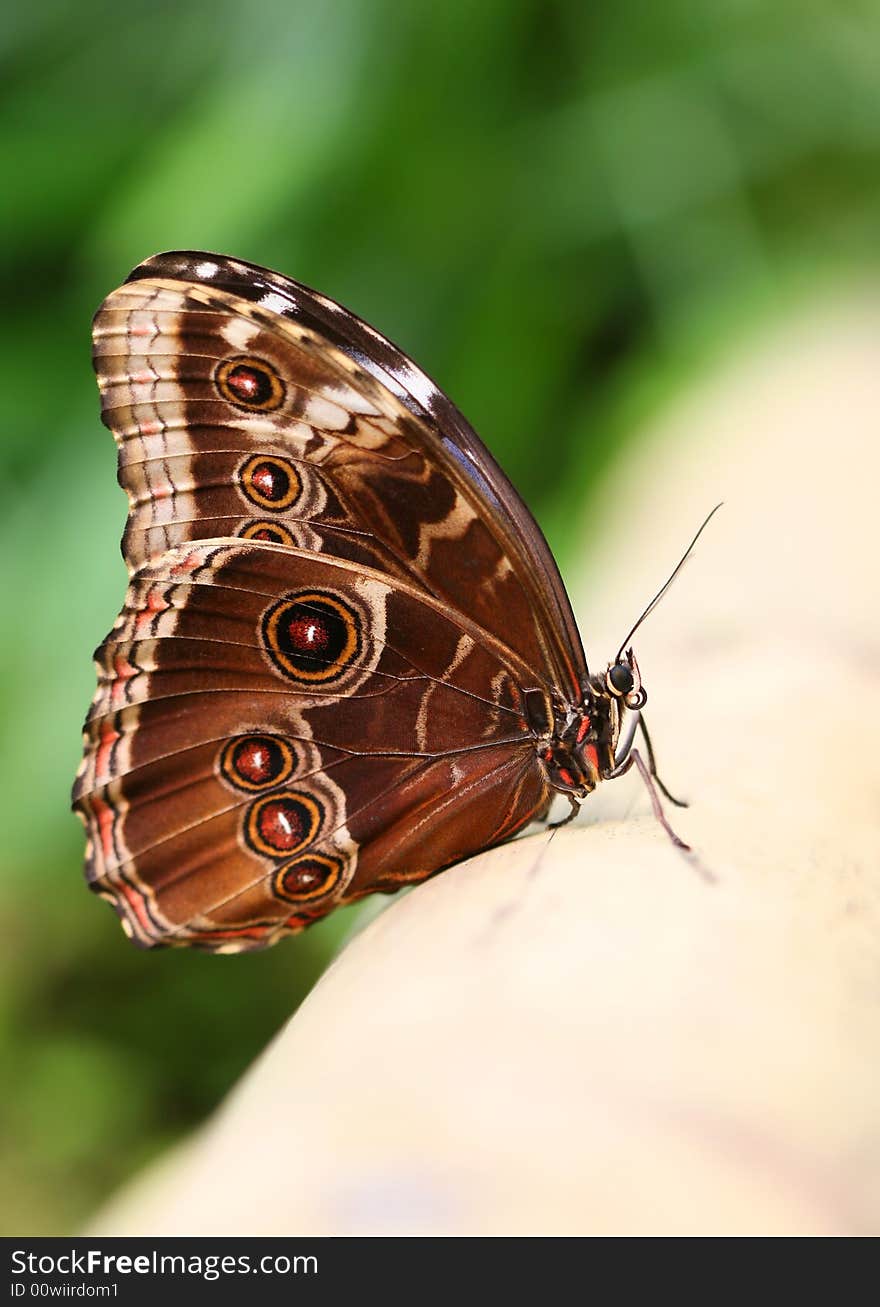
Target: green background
x: 561, y: 210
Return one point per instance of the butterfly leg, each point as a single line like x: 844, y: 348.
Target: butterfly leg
x: 649, y: 777
x: 569, y: 816
x: 652, y: 766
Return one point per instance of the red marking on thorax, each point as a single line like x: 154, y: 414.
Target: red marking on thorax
x: 591, y: 754
x: 582, y: 729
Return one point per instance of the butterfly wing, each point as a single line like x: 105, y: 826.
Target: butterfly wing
x: 327, y: 698
x: 227, y: 808
x: 331, y: 440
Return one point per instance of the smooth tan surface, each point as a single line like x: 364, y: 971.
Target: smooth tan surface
x: 581, y: 1035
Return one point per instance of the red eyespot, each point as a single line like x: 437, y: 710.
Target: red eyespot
x: 312, y: 636
x: 271, y: 531
x: 249, y: 383
x: 309, y: 877
x: 270, y: 482
x: 282, y: 822
x: 252, y: 762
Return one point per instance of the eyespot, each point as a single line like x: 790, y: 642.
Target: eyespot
x: 253, y: 762
x: 620, y: 679
x: 271, y: 531
x: 311, y: 637
x: 270, y: 482
x: 309, y: 877
x: 282, y: 822
x: 249, y: 383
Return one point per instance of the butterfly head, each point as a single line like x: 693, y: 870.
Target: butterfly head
x: 623, y: 682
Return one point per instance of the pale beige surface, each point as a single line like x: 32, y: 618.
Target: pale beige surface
x: 582, y: 1036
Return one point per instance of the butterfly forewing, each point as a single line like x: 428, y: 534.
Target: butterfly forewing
x: 348, y: 467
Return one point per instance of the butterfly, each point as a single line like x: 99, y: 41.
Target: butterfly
x: 346, y: 658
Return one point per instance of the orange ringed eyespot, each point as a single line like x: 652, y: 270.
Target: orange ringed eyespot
x: 312, y: 637
x: 249, y: 383
x: 270, y: 482
x: 282, y: 823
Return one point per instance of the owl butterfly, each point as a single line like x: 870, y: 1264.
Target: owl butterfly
x: 346, y: 657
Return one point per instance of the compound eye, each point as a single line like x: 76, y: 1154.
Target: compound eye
x: 620, y: 679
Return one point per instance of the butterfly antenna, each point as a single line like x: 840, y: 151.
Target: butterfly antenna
x: 667, y: 583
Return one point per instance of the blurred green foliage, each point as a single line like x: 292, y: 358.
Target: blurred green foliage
x: 552, y: 206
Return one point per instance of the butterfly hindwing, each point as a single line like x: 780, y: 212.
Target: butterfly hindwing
x: 275, y: 732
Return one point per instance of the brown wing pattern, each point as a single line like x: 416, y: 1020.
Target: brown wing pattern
x: 347, y: 467
x: 240, y: 781
x: 315, y: 688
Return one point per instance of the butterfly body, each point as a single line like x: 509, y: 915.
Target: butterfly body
x: 346, y: 658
